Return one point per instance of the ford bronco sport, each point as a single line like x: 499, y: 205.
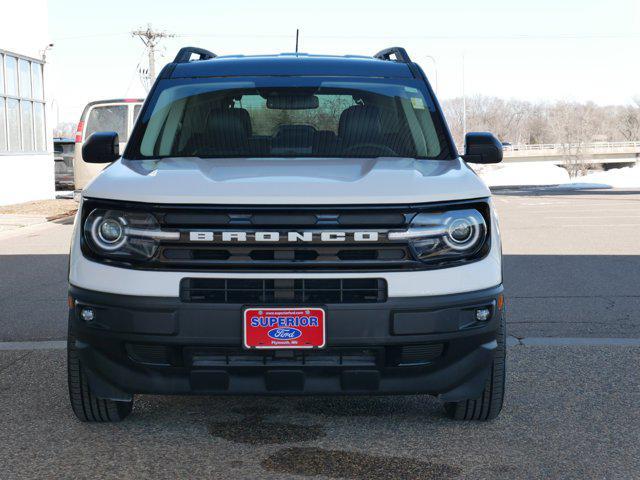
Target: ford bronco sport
x: 288, y: 224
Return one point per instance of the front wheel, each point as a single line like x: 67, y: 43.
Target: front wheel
x: 86, y: 406
x: 489, y: 405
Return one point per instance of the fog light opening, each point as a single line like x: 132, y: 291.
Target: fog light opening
x: 87, y: 314
x: 483, y: 314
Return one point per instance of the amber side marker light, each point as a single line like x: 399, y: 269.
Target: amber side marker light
x: 500, y: 301
x: 70, y: 301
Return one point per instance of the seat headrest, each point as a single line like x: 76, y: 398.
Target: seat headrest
x: 294, y: 136
x: 225, y: 131
x: 244, y: 117
x: 360, y: 124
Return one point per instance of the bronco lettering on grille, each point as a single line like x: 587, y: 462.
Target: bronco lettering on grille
x: 293, y: 237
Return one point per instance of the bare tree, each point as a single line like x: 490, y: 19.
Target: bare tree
x: 572, y: 125
x: 453, y: 112
x: 629, y: 123
x: 575, y: 125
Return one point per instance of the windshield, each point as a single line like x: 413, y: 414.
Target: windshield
x: 267, y: 117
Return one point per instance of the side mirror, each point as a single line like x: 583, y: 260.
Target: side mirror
x: 101, y: 147
x: 482, y: 147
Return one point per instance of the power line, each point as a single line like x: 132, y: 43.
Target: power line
x: 93, y: 35
x: 576, y: 36
x: 136, y: 70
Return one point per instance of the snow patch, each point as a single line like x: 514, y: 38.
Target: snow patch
x: 627, y: 177
x: 522, y: 174
x: 531, y: 173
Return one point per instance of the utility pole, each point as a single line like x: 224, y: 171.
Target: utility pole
x: 435, y: 69
x: 151, y: 38
x: 464, y: 103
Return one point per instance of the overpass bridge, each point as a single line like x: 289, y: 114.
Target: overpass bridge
x: 605, y: 154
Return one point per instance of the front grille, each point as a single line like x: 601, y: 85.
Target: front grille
x: 218, y: 356
x: 420, y: 354
x: 282, y: 258
x: 149, y: 354
x: 267, y: 291
x: 283, y: 255
x: 201, y: 245
x: 331, y: 357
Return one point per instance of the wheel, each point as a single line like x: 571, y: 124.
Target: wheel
x: 86, y: 406
x: 488, y: 406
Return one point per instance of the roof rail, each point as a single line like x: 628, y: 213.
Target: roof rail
x: 184, y: 55
x: 399, y: 53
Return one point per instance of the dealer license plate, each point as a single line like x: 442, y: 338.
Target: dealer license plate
x: 284, y: 327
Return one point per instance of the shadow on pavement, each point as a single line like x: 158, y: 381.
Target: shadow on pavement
x: 33, y: 297
x: 572, y: 295
x: 547, y: 295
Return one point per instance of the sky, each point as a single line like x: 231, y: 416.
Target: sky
x: 542, y: 50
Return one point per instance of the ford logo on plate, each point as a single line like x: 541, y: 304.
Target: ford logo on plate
x: 284, y: 333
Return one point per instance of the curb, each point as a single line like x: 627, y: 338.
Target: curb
x: 16, y: 223
x: 60, y: 216
x: 37, y: 345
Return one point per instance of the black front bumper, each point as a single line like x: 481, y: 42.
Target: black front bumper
x: 404, y: 345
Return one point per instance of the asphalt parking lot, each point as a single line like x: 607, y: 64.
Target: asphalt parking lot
x: 572, y: 263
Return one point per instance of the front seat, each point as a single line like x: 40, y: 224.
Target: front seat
x: 245, y: 118
x: 225, y: 133
x: 360, y: 124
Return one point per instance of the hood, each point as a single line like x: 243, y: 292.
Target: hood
x: 284, y: 181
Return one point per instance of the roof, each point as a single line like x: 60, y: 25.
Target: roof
x: 108, y: 101
x: 292, y: 64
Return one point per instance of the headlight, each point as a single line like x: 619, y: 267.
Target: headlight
x: 120, y: 234
x: 450, y: 235
x: 110, y: 231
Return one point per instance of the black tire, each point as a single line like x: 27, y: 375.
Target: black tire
x: 86, y: 406
x: 489, y: 405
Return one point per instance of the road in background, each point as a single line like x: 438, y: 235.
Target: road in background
x: 572, y: 262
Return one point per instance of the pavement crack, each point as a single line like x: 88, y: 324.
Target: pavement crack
x: 10, y: 364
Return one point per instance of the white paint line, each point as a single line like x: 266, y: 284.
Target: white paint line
x: 41, y: 345
x: 511, y: 342
x: 593, y: 217
x: 629, y: 225
x: 579, y: 341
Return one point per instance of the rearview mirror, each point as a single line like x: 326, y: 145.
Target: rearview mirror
x: 101, y: 147
x: 482, y: 147
x: 292, y: 102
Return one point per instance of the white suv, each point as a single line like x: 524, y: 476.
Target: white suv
x: 287, y: 224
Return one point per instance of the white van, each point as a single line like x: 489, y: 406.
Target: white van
x: 116, y: 115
